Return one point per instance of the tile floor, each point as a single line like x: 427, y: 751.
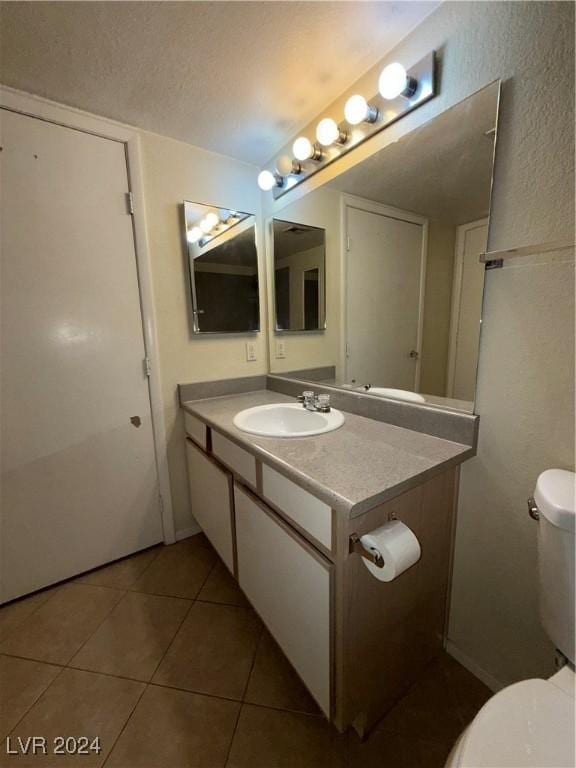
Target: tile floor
x: 162, y: 657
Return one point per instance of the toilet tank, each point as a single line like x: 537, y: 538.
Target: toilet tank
x: 555, y: 499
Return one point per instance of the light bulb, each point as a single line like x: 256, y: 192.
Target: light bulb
x: 205, y: 225
x: 266, y: 180
x: 303, y: 149
x: 357, y: 110
x: 327, y: 132
x: 395, y: 82
x: 194, y: 234
x: 212, y: 219
x: 285, y: 165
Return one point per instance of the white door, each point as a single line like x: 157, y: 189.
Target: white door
x: 79, y: 482
x: 467, y: 296
x: 384, y: 298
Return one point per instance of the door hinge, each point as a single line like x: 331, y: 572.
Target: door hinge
x: 147, y: 366
x: 348, y: 243
x: 130, y: 203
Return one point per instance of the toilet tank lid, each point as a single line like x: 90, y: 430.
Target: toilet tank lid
x: 555, y: 496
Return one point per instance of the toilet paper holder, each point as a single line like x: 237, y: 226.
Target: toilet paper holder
x: 369, y: 553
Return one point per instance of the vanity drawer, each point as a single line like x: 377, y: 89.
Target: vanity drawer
x: 196, y: 429
x: 308, y: 512
x: 211, y: 501
x: 240, y: 461
x: 288, y: 583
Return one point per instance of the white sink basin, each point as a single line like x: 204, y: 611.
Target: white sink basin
x: 398, y: 394
x: 286, y: 420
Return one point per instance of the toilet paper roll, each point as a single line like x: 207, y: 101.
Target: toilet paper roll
x: 398, y: 545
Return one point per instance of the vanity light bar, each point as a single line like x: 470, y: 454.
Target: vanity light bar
x: 399, y: 92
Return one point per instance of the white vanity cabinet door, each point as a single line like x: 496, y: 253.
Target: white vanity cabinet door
x: 289, y: 586
x: 311, y: 514
x: 211, y: 501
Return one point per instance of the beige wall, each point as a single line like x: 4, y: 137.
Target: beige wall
x: 173, y: 172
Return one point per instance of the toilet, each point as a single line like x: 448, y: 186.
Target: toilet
x: 531, y: 724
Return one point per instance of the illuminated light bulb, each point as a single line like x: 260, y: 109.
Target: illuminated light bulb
x: 205, y: 225
x: 285, y: 165
x: 303, y: 149
x: 212, y: 219
x: 357, y: 110
x: 328, y: 132
x: 267, y: 180
x: 395, y: 82
x: 194, y: 234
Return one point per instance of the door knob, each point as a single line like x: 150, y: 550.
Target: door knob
x: 414, y: 354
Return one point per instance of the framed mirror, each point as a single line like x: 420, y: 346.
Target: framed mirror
x: 407, y: 226
x: 299, y: 276
x: 223, y: 264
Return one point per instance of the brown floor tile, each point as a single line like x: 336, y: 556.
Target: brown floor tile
x: 180, y: 570
x: 274, y: 683
x: 471, y: 693
x: 14, y: 613
x: 429, y: 711
x: 380, y: 750
x: 59, y: 627
x: 123, y: 573
x: 222, y: 587
x: 77, y: 704
x: 176, y: 729
x: 134, y: 637
x: 21, y: 683
x: 268, y: 738
x: 213, y: 651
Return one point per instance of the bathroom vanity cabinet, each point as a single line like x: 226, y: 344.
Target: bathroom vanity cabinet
x: 356, y: 642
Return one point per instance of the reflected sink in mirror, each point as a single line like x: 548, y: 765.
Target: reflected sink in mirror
x: 397, y: 394
x: 287, y: 420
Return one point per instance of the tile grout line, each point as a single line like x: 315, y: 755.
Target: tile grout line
x: 240, y: 708
x: 138, y: 700
x: 37, y: 699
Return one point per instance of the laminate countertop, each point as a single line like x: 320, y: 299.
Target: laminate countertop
x: 354, y: 468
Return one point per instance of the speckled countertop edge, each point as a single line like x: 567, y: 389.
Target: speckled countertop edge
x: 354, y: 468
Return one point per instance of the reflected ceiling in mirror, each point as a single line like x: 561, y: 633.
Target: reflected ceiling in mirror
x: 408, y: 225
x: 223, y: 269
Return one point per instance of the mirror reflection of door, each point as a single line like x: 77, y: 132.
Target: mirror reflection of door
x: 385, y: 266
x: 311, y: 299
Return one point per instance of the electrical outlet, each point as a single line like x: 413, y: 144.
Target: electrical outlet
x: 280, y: 349
x: 251, y: 351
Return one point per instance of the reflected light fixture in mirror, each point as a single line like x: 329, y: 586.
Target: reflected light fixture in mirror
x: 268, y: 180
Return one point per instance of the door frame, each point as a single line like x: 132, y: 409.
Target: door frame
x: 69, y: 117
x: 369, y: 206
x: 458, y: 274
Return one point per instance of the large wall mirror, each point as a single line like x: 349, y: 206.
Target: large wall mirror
x: 407, y: 226
x: 223, y: 269
x: 299, y: 269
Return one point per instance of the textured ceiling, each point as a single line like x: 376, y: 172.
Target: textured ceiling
x: 239, y: 78
x: 442, y: 170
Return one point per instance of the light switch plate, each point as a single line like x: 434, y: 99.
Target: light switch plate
x: 280, y: 349
x: 251, y: 351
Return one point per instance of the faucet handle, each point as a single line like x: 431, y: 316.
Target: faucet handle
x: 324, y: 403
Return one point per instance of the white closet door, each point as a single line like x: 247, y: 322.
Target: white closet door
x: 79, y: 483
x: 384, y: 306
x: 467, y: 295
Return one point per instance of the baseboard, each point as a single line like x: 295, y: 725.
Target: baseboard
x: 185, y: 533
x: 488, y: 679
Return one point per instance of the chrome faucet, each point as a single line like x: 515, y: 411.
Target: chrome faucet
x: 313, y: 402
